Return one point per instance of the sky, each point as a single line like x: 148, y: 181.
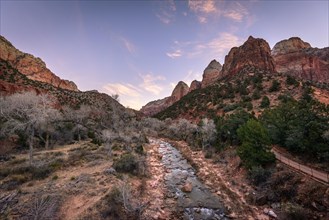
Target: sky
x: 140, y: 49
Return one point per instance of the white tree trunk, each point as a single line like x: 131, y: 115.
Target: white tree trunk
x: 31, y: 147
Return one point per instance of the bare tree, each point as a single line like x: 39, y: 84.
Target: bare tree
x: 79, y: 117
x: 115, y: 97
x: 108, y: 137
x: 208, y: 132
x: 26, y: 113
x: 133, y: 206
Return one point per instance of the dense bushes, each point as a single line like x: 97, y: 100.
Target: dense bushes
x: 300, y: 127
x: 227, y: 126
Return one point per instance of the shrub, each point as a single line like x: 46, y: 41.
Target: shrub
x: 292, y: 81
x: 259, y: 175
x: 127, y: 163
x: 229, y: 107
x: 265, y: 102
x: 275, y: 86
x: 256, y: 94
x: 294, y: 212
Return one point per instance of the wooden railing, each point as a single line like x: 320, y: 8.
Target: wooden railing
x: 318, y: 175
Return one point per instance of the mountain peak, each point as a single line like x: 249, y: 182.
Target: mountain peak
x: 254, y: 52
x: 290, y: 45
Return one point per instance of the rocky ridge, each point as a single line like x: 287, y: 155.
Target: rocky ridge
x: 211, y: 74
x: 34, y: 68
x: 297, y: 58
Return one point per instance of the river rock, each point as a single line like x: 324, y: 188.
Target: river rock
x: 110, y: 171
x: 270, y: 213
x: 187, y: 187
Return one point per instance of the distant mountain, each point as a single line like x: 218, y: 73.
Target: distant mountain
x: 20, y: 72
x: 152, y: 108
x: 34, y: 68
x: 251, y: 73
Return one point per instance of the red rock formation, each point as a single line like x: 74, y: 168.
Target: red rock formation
x: 195, y: 84
x: 152, y: 108
x: 179, y: 91
x: 34, y: 68
x: 7, y: 88
x: 293, y: 44
x: 211, y: 74
x: 254, y: 52
x: 298, y: 58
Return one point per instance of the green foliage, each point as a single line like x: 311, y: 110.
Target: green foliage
x: 275, y: 86
x: 265, y: 102
x: 256, y: 94
x: 227, y: 126
x: 255, y: 140
x: 292, y: 81
x: 230, y: 107
x: 300, y: 127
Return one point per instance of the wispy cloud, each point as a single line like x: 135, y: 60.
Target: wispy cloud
x: 151, y: 83
x: 190, y: 76
x: 210, y: 9
x: 124, y: 89
x: 205, y: 6
x: 223, y: 43
x: 175, y: 54
x: 128, y: 45
x: 237, y: 12
x: 166, y: 12
x: 217, y: 47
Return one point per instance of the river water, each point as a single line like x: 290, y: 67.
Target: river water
x: 200, y: 203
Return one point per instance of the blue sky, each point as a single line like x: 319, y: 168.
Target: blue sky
x: 141, y: 49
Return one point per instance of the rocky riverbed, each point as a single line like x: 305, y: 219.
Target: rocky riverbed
x: 193, y: 198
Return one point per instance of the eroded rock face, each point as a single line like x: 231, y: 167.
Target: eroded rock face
x: 254, y: 52
x: 293, y: 44
x: 156, y: 106
x: 152, y: 108
x: 299, y: 59
x: 195, y: 84
x: 211, y: 74
x: 179, y: 91
x: 34, y: 68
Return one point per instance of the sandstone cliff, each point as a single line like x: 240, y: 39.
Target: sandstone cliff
x: 34, y: 68
x: 254, y: 52
x: 195, y: 84
x: 180, y: 90
x: 211, y: 74
x: 152, y: 108
x: 298, y: 58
